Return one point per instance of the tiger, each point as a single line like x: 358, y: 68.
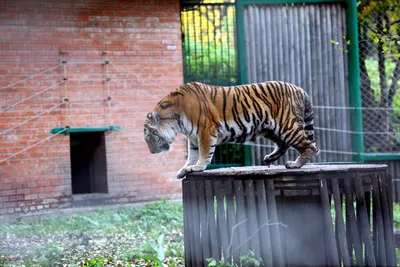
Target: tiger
x: 210, y: 115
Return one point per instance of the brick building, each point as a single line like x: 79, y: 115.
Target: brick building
x: 88, y: 65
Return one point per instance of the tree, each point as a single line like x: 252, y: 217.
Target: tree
x: 379, y: 42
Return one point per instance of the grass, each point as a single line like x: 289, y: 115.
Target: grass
x: 145, y: 236
x: 118, y: 236
x: 122, y: 220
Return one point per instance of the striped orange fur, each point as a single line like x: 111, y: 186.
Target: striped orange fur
x: 211, y: 115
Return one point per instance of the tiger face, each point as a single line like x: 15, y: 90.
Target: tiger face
x: 161, y: 126
x: 155, y: 140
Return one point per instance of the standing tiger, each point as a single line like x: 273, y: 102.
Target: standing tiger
x: 211, y: 115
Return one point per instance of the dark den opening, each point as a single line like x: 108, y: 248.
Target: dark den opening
x: 88, y: 163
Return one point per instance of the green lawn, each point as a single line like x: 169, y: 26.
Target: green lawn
x: 140, y: 236
x: 123, y: 237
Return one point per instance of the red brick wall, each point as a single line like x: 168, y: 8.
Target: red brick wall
x: 141, y: 40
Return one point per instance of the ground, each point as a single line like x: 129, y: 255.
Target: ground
x: 124, y: 236
x: 113, y: 236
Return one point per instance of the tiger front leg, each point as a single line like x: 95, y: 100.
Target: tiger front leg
x: 206, y: 150
x: 280, y: 149
x: 193, y: 157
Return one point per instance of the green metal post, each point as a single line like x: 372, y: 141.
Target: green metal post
x: 354, y: 81
x: 241, y: 54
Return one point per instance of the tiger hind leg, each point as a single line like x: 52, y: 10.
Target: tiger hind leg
x: 280, y: 149
x: 307, y: 149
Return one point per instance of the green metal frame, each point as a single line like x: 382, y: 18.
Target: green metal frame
x: 85, y: 129
x: 381, y: 156
x: 354, y: 81
x: 353, y: 61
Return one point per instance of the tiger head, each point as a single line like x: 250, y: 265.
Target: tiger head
x: 161, y: 126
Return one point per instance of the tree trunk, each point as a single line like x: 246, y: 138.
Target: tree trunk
x: 367, y: 93
x: 395, y: 80
x: 384, y: 118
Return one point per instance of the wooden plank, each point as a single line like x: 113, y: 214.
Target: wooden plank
x: 316, y: 222
x: 387, y: 219
x: 187, y: 222
x: 367, y: 197
x: 222, y: 230
x: 197, y: 250
x: 349, y: 238
x: 303, y: 243
x: 375, y: 207
x: 292, y: 241
x: 352, y: 221
x: 379, y: 237
x: 215, y: 252
x: 231, y: 219
x: 329, y: 234
x: 340, y: 223
x: 254, y: 228
x: 389, y: 181
x: 275, y: 229
x: 265, y: 236
x: 281, y: 230
x: 240, y: 218
x: 205, y: 237
x: 363, y: 218
x: 389, y: 186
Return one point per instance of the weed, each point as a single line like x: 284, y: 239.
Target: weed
x: 248, y: 260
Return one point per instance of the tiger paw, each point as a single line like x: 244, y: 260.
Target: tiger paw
x: 292, y: 165
x: 181, y: 173
x: 189, y: 169
x: 267, y: 161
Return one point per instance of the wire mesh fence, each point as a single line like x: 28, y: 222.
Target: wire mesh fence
x: 210, y: 55
x: 209, y: 42
x: 379, y: 47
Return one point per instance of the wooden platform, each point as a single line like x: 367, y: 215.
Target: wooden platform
x: 336, y: 214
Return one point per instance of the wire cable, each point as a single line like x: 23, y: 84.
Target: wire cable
x: 37, y: 116
x: 32, y: 146
x: 32, y: 96
x: 30, y: 77
x: 354, y: 108
x: 353, y: 132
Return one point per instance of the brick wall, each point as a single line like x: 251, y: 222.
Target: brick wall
x: 141, y: 40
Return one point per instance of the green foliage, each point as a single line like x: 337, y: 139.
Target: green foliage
x: 396, y: 215
x: 158, y: 255
x: 45, y: 256
x: 159, y: 251
x: 373, y: 74
x: 3, y: 261
x: 105, y: 220
x: 96, y: 262
x: 104, y: 237
x: 343, y: 45
x: 209, y: 53
x: 381, y: 19
x: 210, y: 63
x: 248, y: 260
